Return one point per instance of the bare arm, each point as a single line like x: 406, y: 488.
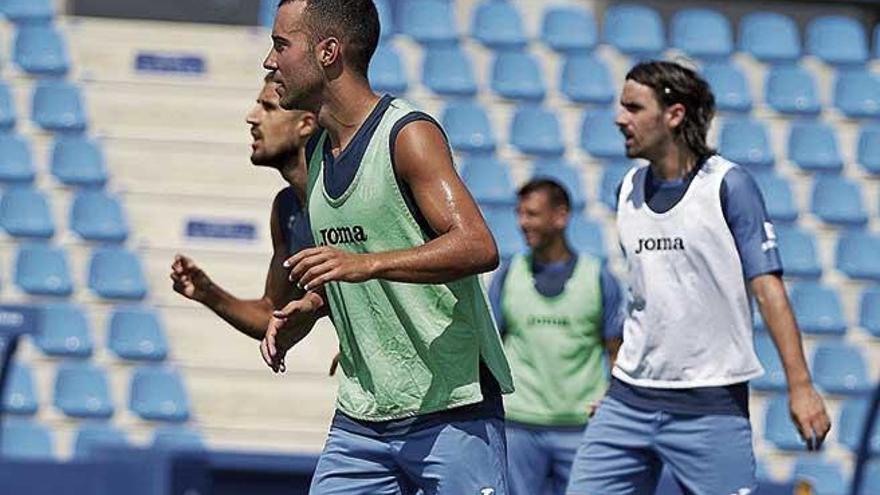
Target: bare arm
x: 611, y: 347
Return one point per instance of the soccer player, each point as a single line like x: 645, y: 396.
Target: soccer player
x: 400, y: 243
x: 279, y: 137
x: 698, y: 245
x: 559, y: 315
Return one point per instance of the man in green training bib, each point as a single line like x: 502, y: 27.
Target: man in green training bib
x: 560, y: 317
x: 399, y: 245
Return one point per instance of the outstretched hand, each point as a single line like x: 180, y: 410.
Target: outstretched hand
x: 284, y: 329
x: 188, y: 279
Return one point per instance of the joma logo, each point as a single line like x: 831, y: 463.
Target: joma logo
x: 342, y: 235
x: 660, y: 244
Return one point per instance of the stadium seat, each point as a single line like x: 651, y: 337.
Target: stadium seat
x: 136, y: 334
x: 586, y: 236
x: 871, y: 480
x: 498, y: 25
x: 535, y: 130
x: 64, y: 331
x: 611, y: 178
x: 634, y: 30
x: 837, y: 40
x: 177, y: 438
x: 116, y: 273
x: 8, y: 115
x: 267, y: 13
x: 600, y: 137
x: 778, y: 197
x: 770, y: 37
x: 856, y: 255
x: 825, y: 477
x: 20, y: 396
x: 42, y: 270
x: 387, y: 29
x: 81, y: 391
x: 869, y: 310
x: 489, y: 181
x: 502, y: 221
x: 839, y: 368
x: 429, y: 22
x: 778, y: 428
x: 773, y: 378
x: 16, y: 165
x: 40, y: 50
x: 745, y: 141
x: 729, y: 86
x: 28, y: 11
x: 818, y: 309
x: 857, y: 94
x: 838, y: 201
x: 517, y: 76
x: 701, y: 33
x: 790, y: 89
x: 24, y: 212
x: 812, y: 146
x: 57, y: 106
x: 869, y: 148
x: 851, y: 423
x: 468, y: 127
x: 158, y: 394
x: 26, y: 440
x: 386, y: 71
x: 569, y: 28
x: 797, y: 248
x: 78, y: 161
x: 98, y: 216
x: 567, y: 175
x: 438, y: 77
x: 93, y: 436
x: 585, y: 78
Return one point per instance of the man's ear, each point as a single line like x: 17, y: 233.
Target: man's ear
x: 307, y: 125
x: 675, y: 115
x: 329, y: 51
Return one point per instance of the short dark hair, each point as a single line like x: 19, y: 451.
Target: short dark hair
x: 674, y: 83
x: 556, y: 193
x: 355, y: 22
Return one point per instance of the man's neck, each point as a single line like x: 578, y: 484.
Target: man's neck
x: 295, y: 172
x: 346, y: 105
x: 676, y: 162
x: 554, y: 252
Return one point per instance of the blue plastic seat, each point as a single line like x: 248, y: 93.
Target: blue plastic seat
x: 517, y: 76
x: 566, y: 175
x: 857, y: 94
x: 24, y: 212
x: 778, y: 428
x: 267, y: 13
x: 797, y: 248
x: 41, y: 50
x: 851, y: 424
x: 8, y: 114
x: 78, y: 161
x: 16, y: 164
x: 812, y: 146
x: 778, y: 197
x: 98, y: 216
x: 94, y: 436
x: 770, y: 37
x: 634, y: 30
x: 869, y: 311
x: 57, y: 106
x: 41, y: 269
x: 745, y: 141
x: 498, y: 25
x: 26, y: 440
x: 856, y: 255
x: 729, y: 86
x: 136, y: 334
x: 439, y: 78
x: 64, y: 331
x: 502, y: 221
x: 429, y: 22
x: 600, y: 136
x: 839, y: 368
x: 158, y: 394
x: 586, y: 79
x: 20, y: 396
x: 869, y: 148
x: 535, y: 130
x: 837, y: 200
x: 468, y: 127
x: 818, y: 309
x: 387, y: 28
x: 569, y: 28
x: 701, y: 33
x: 773, y: 378
x: 871, y: 480
x: 81, y: 391
x: 837, y: 40
x: 824, y: 476
x: 386, y: 72
x: 28, y: 11
x: 116, y: 273
x: 586, y: 236
x: 790, y: 89
x: 611, y: 179
x: 489, y: 181
x: 177, y: 438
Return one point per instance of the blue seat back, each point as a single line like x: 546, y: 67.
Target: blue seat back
x: 98, y: 216
x: 468, y: 127
x: 136, y: 334
x: 430, y: 22
x: 81, y: 391
x: 837, y: 40
x: 770, y: 37
x: 158, y: 394
x: 78, y: 161
x: 702, y: 33
x: 535, y: 130
x: 498, y: 25
x: 64, y: 330
x: 585, y: 78
x: 600, y: 137
x: 386, y: 72
x: 790, y: 89
x: 569, y: 28
x: 24, y: 212
x: 634, y: 30
x: 42, y: 269
x: 837, y: 200
x: 517, y: 76
x: 115, y: 272
x: 437, y: 76
x: 16, y: 163
x: 813, y: 147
